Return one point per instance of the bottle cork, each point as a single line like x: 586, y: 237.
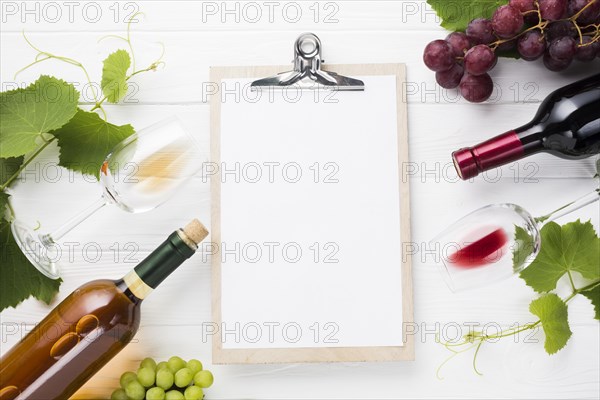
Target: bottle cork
x: 195, y: 231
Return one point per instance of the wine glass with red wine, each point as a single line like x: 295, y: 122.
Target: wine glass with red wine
x: 493, y: 243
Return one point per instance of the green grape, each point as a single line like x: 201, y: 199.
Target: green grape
x: 155, y: 393
x: 194, y: 393
x: 119, y: 394
x: 126, y: 378
x: 146, y: 376
x: 195, y: 366
x: 161, y: 365
x: 174, y: 395
x: 148, y: 363
x: 176, y: 363
x: 164, y: 378
x: 183, y: 377
x: 204, y: 379
x: 135, y: 390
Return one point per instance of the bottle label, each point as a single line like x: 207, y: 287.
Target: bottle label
x: 137, y: 286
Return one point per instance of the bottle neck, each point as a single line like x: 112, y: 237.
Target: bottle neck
x: 161, y: 263
x: 503, y: 149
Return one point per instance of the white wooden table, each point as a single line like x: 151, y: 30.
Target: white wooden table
x: 197, y: 35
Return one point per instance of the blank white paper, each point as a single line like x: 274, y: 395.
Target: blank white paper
x: 310, y: 218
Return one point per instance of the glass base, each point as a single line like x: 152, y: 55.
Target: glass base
x: 42, y: 255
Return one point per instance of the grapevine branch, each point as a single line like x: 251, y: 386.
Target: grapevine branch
x: 475, y: 339
x: 45, y: 56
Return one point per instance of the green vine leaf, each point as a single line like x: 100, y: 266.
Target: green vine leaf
x: 594, y: 296
x: 456, y: 15
x: 553, y: 314
x: 572, y: 247
x: 25, y: 114
x: 20, y: 280
x: 9, y: 167
x: 523, y: 247
x: 86, y: 141
x: 3, y: 204
x: 114, y: 76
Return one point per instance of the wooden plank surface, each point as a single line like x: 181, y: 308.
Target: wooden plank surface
x: 367, y: 32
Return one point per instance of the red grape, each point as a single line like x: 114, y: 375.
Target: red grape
x: 459, y: 42
x: 523, y: 5
x: 563, y: 49
x: 553, y: 10
x: 558, y: 29
x: 480, y: 31
x: 588, y: 50
x: 450, y: 79
x: 479, y: 60
x: 556, y: 65
x: 532, y: 45
x: 438, y: 56
x: 507, y: 22
x: 476, y: 89
x: 526, y: 7
x: 589, y: 15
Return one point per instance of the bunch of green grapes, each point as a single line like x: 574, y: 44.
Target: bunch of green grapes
x: 171, y: 380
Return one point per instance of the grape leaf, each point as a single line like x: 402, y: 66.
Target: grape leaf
x: 3, y: 203
x: 512, y: 53
x: 114, y: 76
x: 25, y: 114
x: 572, y: 247
x: 457, y: 14
x: 86, y: 141
x: 594, y: 296
x: 8, y: 167
x: 20, y: 280
x: 553, y: 314
x: 523, y: 247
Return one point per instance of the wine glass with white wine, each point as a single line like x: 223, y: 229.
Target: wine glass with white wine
x: 140, y: 173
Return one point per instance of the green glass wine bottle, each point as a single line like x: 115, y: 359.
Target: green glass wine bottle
x: 90, y: 326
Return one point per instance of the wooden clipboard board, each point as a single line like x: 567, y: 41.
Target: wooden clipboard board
x: 321, y: 354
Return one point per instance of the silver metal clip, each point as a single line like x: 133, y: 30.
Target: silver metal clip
x: 307, y: 73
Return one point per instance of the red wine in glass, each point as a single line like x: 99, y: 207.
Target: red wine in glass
x: 483, y: 247
x: 482, y: 251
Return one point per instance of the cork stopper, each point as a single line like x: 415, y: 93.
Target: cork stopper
x: 195, y: 231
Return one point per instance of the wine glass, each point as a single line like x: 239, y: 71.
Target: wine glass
x: 140, y: 173
x: 493, y: 243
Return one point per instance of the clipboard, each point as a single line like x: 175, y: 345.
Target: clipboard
x: 222, y: 206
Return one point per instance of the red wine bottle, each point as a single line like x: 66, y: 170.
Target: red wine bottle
x: 567, y: 125
x: 89, y: 327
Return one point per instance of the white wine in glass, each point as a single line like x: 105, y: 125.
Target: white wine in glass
x: 140, y: 174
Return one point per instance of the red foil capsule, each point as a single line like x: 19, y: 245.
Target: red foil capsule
x: 471, y: 161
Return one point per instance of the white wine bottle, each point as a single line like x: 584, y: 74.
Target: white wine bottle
x: 90, y: 327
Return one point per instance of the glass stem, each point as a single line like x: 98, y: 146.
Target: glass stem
x: 49, y: 239
x: 569, y: 208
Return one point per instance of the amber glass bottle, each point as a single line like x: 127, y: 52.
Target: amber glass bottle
x: 89, y: 327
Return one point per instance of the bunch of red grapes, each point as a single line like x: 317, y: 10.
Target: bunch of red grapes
x: 559, y: 31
